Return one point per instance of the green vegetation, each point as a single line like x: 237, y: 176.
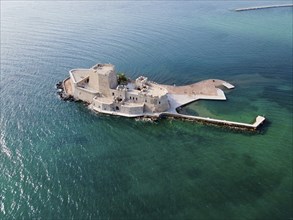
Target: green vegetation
x: 122, y: 79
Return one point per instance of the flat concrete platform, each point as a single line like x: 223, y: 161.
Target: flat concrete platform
x: 206, y: 87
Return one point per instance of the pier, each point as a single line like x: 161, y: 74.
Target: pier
x: 230, y: 124
x: 262, y: 7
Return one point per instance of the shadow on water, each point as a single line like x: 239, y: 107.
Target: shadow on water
x: 264, y: 128
x: 194, y: 173
x: 279, y: 96
x: 249, y: 160
x: 229, y: 129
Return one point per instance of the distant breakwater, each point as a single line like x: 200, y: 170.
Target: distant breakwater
x: 262, y: 7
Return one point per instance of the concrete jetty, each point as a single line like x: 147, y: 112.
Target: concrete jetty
x: 231, y: 124
x: 263, y: 7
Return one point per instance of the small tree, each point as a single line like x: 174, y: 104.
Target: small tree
x: 122, y: 79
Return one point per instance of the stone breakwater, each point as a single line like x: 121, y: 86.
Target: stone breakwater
x: 61, y: 91
x: 259, y: 120
x: 263, y: 7
x: 238, y: 126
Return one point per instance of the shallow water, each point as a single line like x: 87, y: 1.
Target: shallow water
x: 60, y: 160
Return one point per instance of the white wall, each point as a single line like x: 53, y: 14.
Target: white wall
x: 84, y: 95
x: 131, y: 110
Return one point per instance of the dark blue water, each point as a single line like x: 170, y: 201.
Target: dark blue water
x: 59, y: 160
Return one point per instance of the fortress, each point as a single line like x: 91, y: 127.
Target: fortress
x: 99, y: 86
x: 105, y: 92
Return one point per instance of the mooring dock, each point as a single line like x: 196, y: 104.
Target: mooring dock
x: 231, y: 124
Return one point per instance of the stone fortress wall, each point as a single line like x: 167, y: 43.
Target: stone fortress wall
x: 99, y: 87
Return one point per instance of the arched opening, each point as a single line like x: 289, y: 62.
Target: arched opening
x: 117, y: 108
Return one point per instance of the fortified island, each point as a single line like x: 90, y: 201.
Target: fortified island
x: 109, y: 93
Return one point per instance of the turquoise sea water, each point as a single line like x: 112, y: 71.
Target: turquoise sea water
x: 59, y: 160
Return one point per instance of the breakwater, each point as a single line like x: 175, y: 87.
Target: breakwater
x: 230, y: 124
x: 262, y: 7
x: 61, y: 91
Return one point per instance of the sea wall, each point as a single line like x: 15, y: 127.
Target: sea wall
x: 84, y: 94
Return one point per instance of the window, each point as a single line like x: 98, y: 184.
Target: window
x: 113, y: 94
x: 159, y: 102
x: 117, y: 108
x: 146, y: 100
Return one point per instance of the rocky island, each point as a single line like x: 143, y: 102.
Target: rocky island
x: 109, y: 93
